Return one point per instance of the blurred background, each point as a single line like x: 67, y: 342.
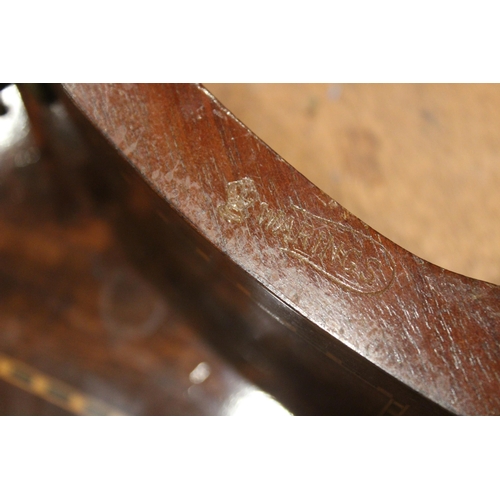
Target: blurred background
x: 418, y: 163
x: 82, y: 331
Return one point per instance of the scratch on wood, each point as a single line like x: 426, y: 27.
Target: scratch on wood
x: 203, y: 254
x: 333, y: 249
x: 277, y: 318
x: 243, y: 289
x: 334, y: 358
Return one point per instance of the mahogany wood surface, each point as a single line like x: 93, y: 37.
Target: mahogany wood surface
x: 81, y: 330
x: 318, y: 291
x: 158, y: 258
x: 418, y: 163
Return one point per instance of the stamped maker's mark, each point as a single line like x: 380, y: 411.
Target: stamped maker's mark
x: 346, y: 256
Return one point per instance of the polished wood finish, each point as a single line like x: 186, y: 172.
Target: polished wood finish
x: 158, y: 258
x: 417, y: 163
x: 81, y: 330
x: 249, y: 242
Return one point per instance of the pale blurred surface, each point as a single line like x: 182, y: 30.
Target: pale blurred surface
x: 418, y: 163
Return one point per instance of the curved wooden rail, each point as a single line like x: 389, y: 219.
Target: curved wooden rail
x: 348, y: 321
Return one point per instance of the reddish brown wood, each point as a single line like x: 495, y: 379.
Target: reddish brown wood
x: 81, y: 331
x: 283, y: 250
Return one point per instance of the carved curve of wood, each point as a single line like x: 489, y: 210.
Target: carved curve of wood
x: 347, y: 300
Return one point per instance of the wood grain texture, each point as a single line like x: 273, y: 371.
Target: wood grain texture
x: 433, y: 330
x: 81, y: 330
x: 418, y: 163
